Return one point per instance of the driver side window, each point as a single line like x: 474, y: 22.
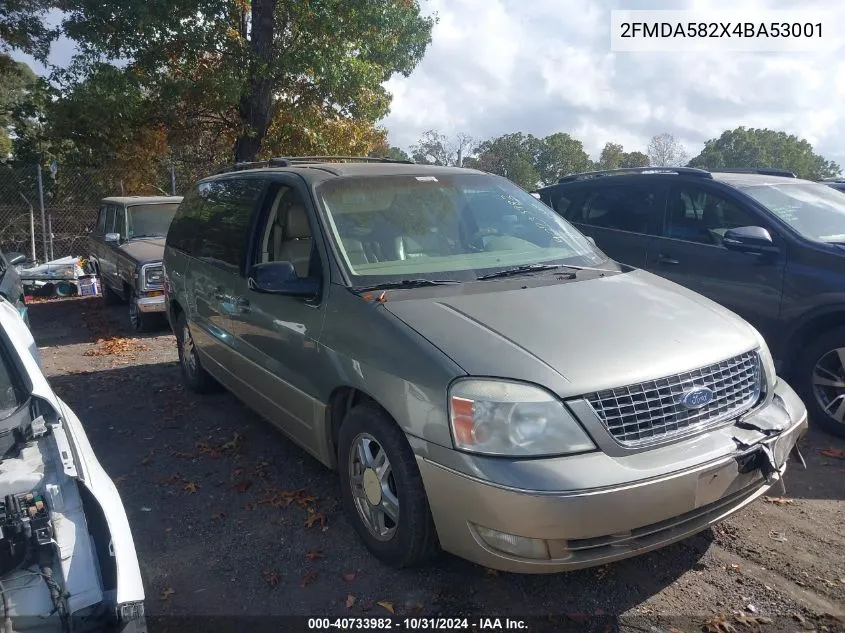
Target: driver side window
x: 287, y: 233
x: 696, y: 214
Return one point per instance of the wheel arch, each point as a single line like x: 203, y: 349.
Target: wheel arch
x: 807, y: 329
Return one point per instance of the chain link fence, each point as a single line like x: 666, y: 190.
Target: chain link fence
x: 49, y: 215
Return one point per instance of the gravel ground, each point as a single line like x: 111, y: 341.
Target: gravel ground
x: 230, y: 518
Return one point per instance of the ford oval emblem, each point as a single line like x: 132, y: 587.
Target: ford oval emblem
x: 697, y: 397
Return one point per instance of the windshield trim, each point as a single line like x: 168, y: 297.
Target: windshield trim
x: 353, y: 280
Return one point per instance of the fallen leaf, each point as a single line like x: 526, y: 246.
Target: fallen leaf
x: 751, y: 621
x: 733, y: 567
x: 602, y: 572
x: 236, y: 473
x: 218, y: 516
x: 182, y: 455
x: 350, y: 601
x: 304, y: 500
x: 242, y: 486
x: 493, y: 573
x: 414, y: 608
x: 308, y: 578
x: 366, y: 605
x: 191, y: 487
x: 349, y: 576
x: 719, y: 623
x: 232, y: 444
x: 838, y: 453
x: 166, y: 593
x: 173, y: 480
x: 271, y: 578
x: 148, y: 457
x: 780, y: 501
x: 317, y: 553
x: 777, y: 536
x: 387, y: 606
x: 315, y: 517
x: 119, y: 480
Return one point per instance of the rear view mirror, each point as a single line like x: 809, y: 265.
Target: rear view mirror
x: 112, y: 237
x: 280, y: 278
x: 749, y: 239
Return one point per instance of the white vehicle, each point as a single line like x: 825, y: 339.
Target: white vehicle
x: 67, y: 558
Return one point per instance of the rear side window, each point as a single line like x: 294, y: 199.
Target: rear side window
x: 220, y: 218
x: 185, y: 223
x: 101, y: 220
x: 622, y: 207
x: 111, y: 212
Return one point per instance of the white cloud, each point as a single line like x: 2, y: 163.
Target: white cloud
x: 500, y: 66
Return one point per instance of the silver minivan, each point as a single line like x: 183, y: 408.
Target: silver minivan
x: 483, y: 378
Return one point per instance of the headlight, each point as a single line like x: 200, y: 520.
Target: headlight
x: 153, y: 275
x: 500, y: 417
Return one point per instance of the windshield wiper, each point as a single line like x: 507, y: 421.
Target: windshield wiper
x: 407, y: 283
x: 528, y: 268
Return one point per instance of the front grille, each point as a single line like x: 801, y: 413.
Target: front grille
x: 653, y: 411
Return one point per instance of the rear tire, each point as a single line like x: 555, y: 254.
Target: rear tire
x: 193, y: 375
x: 411, y: 538
x: 820, y: 380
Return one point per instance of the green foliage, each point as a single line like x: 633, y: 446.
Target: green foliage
x: 392, y: 152
x: 213, y: 68
x: 513, y: 156
x: 23, y: 25
x: 560, y: 155
x: 750, y: 147
x: 634, y: 159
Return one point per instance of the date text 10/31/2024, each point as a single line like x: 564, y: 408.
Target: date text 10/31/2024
x: 417, y: 624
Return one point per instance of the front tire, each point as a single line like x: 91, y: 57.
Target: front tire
x: 193, y: 374
x: 141, y: 321
x: 382, y: 490
x: 820, y: 378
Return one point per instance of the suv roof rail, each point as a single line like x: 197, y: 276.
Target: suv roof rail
x: 764, y: 171
x: 289, y: 161
x: 286, y: 161
x: 685, y: 171
x: 834, y: 179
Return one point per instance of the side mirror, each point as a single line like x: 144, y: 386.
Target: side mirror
x: 279, y: 278
x: 591, y: 240
x: 112, y: 237
x: 16, y: 258
x: 749, y: 239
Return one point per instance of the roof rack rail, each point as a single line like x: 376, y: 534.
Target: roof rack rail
x: 685, y: 171
x: 286, y: 161
x: 833, y: 179
x: 257, y: 164
x: 764, y: 171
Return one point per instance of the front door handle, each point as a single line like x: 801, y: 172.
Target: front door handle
x: 665, y: 259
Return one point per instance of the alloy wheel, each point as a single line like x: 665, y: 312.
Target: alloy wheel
x: 373, y: 487
x: 829, y: 384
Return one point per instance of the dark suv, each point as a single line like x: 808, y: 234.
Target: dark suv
x: 764, y: 244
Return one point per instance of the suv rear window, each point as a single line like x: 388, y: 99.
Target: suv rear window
x: 622, y: 207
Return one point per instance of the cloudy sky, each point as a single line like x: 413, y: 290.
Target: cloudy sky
x: 542, y: 66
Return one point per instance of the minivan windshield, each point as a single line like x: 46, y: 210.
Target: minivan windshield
x: 150, y: 220
x: 446, y: 227
x: 814, y: 210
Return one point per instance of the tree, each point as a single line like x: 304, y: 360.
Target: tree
x: 664, y: 150
x: 245, y: 62
x: 560, y: 155
x: 392, y: 152
x: 612, y: 155
x: 16, y: 80
x: 434, y: 148
x: 23, y: 25
x: 634, y: 159
x: 513, y: 156
x: 749, y: 147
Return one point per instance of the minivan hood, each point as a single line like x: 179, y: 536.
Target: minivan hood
x: 145, y: 249
x: 581, y: 336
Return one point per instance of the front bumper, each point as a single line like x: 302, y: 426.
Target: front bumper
x: 151, y: 304
x: 582, y: 526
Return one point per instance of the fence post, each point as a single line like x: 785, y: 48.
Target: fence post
x: 32, y: 232
x: 50, y: 229
x: 172, y: 180
x: 43, y: 218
